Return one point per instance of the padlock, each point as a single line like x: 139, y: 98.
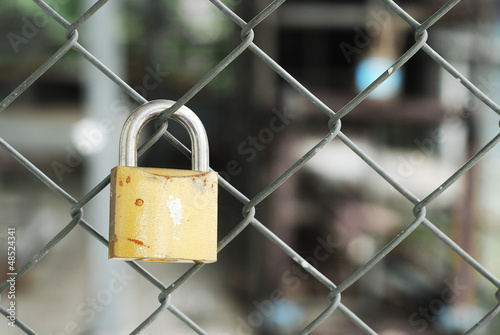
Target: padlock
x: 166, y: 215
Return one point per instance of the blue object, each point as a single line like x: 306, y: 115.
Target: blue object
x: 370, y: 69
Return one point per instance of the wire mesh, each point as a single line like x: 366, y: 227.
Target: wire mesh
x: 249, y: 204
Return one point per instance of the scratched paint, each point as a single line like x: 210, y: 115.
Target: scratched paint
x: 175, y: 209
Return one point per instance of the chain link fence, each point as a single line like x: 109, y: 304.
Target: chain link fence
x: 336, y: 305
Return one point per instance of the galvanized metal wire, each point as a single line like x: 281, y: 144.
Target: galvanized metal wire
x: 335, y: 304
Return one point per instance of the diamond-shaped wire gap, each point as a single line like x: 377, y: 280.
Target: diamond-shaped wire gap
x: 307, y: 267
x: 414, y: 200
x: 268, y: 130
x: 268, y: 60
x: 398, y: 239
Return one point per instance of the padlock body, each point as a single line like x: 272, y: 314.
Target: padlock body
x: 164, y: 215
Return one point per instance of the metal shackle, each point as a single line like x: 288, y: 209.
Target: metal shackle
x: 147, y: 112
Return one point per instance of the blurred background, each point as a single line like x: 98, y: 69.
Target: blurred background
x: 421, y: 126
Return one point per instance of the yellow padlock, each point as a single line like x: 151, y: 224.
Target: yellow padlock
x: 165, y: 215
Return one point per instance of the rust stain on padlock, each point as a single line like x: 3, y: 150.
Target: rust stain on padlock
x: 126, y: 180
x: 138, y: 242
x: 193, y: 176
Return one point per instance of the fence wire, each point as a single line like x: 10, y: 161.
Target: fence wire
x: 336, y: 305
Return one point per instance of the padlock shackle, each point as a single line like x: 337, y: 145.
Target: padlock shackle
x: 151, y: 110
